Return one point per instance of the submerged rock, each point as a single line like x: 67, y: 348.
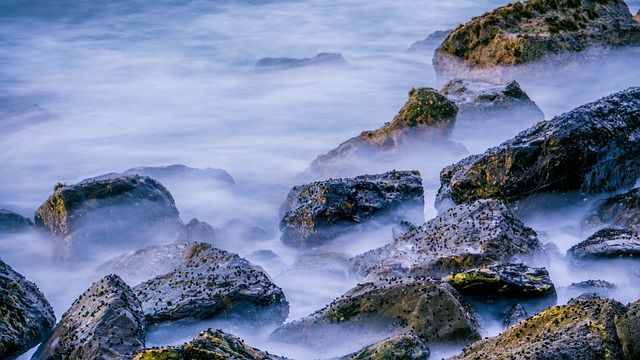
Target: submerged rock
x: 578, y: 330
x: 11, y: 222
x: 198, y: 231
x: 628, y: 329
x: 25, y: 314
x: 120, y: 213
x: 483, y: 233
x: 105, y: 322
x: 400, y: 347
x: 334, y: 59
x: 607, y: 243
x: 527, y: 32
x: 209, y: 344
x: 516, y: 314
x: 318, y: 212
x: 211, y: 282
x: 598, y: 287
x: 591, y: 148
x: 430, y: 42
x: 620, y: 211
x: 176, y: 174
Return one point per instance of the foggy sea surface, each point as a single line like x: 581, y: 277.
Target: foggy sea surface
x: 92, y: 87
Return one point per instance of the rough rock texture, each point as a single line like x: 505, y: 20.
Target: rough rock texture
x: 483, y: 233
x: 208, y: 283
x: 510, y: 280
x: 105, y: 322
x: 620, y: 211
x: 580, y: 330
x: 525, y: 32
x: 430, y: 309
x: 637, y: 17
x: 628, y: 329
x: 25, y: 314
x: 400, y: 347
x: 334, y: 59
x: 210, y: 345
x: 320, y: 211
x: 516, y: 314
x: 176, y: 173
x: 11, y: 222
x: 592, y: 148
x: 593, y: 284
x: 607, y: 243
x: 123, y: 212
x: 430, y: 42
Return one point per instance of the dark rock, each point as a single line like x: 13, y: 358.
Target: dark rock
x: 581, y: 330
x: 607, y: 243
x: 334, y: 59
x: 593, y: 284
x: 430, y: 42
x: 516, y: 314
x: 620, y: 211
x: 510, y: 280
x: 527, y: 32
x: 263, y: 255
x: 592, y: 148
x: 25, y: 314
x: 464, y: 237
x: 318, y: 212
x: 105, y: 322
x: 120, y: 213
x: 628, y: 329
x: 209, y: 344
x: 198, y: 231
x: 430, y: 309
x: 211, y: 282
x: 400, y: 347
x: 11, y: 222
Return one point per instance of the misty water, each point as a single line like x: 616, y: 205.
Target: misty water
x: 92, y: 87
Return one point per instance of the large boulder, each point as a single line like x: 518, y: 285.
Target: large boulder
x: 599, y: 287
x: 607, y: 244
x: 318, y: 212
x: 628, y: 329
x: 177, y: 174
x: 105, y: 322
x: 591, y: 148
x: 11, y: 222
x: 399, y: 347
x: 122, y: 213
x: 208, y: 283
x: 25, y: 314
x: 209, y: 344
x: 620, y: 211
x: 580, y: 330
x: 520, y: 33
x: 483, y: 233
x: 332, y: 59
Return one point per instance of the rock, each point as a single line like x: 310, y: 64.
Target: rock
x: 430, y: 42
x: 592, y: 148
x: 25, y: 314
x: 510, y: 280
x: 105, y: 322
x: 526, y: 32
x: 580, y: 330
x: 333, y: 59
x: 516, y: 314
x: 637, y: 17
x: 607, y: 243
x: 593, y: 284
x: 483, y: 233
x: 176, y: 174
x: 628, y: 329
x: 400, y: 347
x: 429, y: 309
x: 318, y: 212
x: 11, y: 222
x: 211, y: 282
x: 620, y: 211
x: 122, y: 213
x: 198, y: 231
x: 209, y: 344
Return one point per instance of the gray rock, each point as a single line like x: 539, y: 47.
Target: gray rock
x: 333, y: 59
x: 105, y: 322
x: 25, y: 314
x: 318, y: 212
x: 620, y: 211
x: 198, y: 231
x: 628, y: 329
x: 430, y: 42
x: 516, y: 314
x: 607, y: 243
x: 11, y: 222
x: 399, y: 347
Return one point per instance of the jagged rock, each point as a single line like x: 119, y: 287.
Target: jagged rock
x: 244, y: 231
x: 620, y: 211
x: 516, y: 314
x: 430, y: 309
x: 637, y: 17
x: 126, y: 212
x: 208, y: 283
x: 578, y: 330
x: 318, y: 212
x: 430, y: 42
x: 591, y: 148
x: 483, y: 233
x: 25, y: 314
x: 334, y: 59
x: 491, y: 45
x: 400, y: 347
x: 11, y: 222
x: 509, y: 280
x: 176, y: 174
x: 593, y: 284
x: 209, y: 344
x: 105, y: 322
x: 628, y: 329
x: 607, y: 243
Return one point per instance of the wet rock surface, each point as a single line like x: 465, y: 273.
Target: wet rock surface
x: 483, y: 233
x: 105, y: 322
x: 592, y: 148
x: 208, y: 283
x: 607, y: 243
x: 333, y: 59
x: 25, y: 314
x: 430, y: 42
x: 11, y: 222
x: 628, y: 330
x: 318, y: 212
x: 400, y: 347
x: 122, y: 212
x: 516, y: 314
x: 620, y: 211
